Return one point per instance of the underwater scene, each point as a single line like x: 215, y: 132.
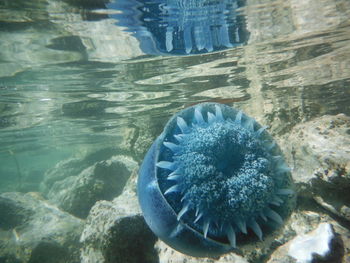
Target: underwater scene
x: 174, y: 131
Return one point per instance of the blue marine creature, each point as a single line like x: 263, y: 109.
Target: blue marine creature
x: 182, y: 27
x: 214, y: 176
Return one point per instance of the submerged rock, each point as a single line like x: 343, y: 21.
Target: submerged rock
x: 115, y: 231
x: 318, y: 242
x: 62, y: 170
x: 168, y: 255
x: 319, y: 238
x: 74, y: 165
x: 102, y: 181
x: 33, y: 230
x: 318, y: 152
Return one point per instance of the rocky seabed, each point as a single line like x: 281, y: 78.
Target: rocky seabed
x: 91, y: 214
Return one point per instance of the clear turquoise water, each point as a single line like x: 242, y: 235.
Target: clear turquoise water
x: 72, y: 81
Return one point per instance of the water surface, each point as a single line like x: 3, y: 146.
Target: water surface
x: 74, y: 79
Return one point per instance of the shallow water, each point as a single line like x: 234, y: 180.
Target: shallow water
x: 81, y: 81
x: 74, y: 81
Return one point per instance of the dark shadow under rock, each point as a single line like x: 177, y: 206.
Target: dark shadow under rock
x: 130, y: 236
x: 49, y: 250
x: 13, y: 213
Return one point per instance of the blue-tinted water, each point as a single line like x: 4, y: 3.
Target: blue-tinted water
x: 77, y: 77
x: 73, y: 79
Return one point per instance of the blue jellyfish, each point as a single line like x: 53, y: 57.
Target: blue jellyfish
x: 213, y: 177
x: 181, y: 27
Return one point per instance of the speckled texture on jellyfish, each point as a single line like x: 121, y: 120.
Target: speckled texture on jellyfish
x: 213, y: 177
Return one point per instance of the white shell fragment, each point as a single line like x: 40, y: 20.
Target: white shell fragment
x: 317, y: 242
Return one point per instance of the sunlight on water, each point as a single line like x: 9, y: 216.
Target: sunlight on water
x: 70, y: 77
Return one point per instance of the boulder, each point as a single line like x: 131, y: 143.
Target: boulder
x: 319, y: 238
x: 318, y: 152
x: 115, y: 231
x: 102, y: 181
x: 33, y: 230
x: 168, y: 255
x: 62, y: 170
x: 318, y: 243
x: 74, y: 165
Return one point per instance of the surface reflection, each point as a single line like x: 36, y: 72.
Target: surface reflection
x: 72, y: 79
x: 181, y: 27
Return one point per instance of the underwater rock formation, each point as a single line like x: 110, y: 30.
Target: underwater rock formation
x: 75, y: 165
x: 62, y: 170
x: 33, y: 230
x: 304, y: 224
x: 183, y: 27
x: 318, y: 151
x: 102, y: 181
x: 318, y: 242
x: 213, y: 176
x: 115, y: 231
x: 168, y: 255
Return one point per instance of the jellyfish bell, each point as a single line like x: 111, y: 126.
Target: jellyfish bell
x: 213, y: 179
x: 179, y: 27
